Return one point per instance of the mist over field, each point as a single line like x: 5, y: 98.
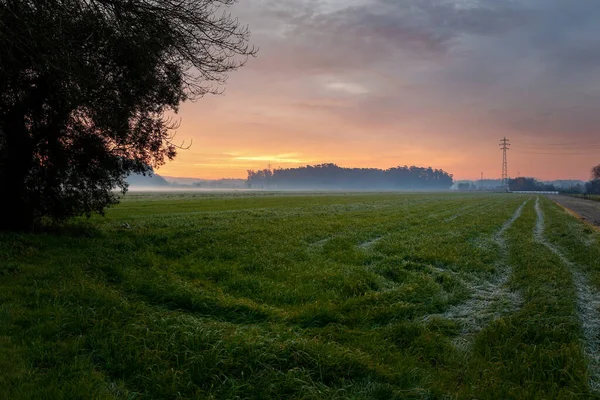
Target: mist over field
x: 322, y: 177
x: 291, y: 189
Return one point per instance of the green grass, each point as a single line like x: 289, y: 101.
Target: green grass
x: 258, y: 295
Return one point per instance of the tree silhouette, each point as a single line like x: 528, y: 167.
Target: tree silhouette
x: 593, y: 186
x: 331, y: 176
x: 84, y: 88
x: 529, y: 184
x: 596, y: 172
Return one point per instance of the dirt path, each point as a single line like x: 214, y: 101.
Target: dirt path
x: 588, y: 210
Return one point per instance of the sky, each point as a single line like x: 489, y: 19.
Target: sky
x: 382, y: 83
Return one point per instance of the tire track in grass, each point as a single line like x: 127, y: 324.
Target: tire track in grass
x: 467, y: 210
x: 316, y: 245
x: 491, y: 298
x: 588, y: 303
x: 370, y: 243
x: 321, y: 242
x: 429, y: 218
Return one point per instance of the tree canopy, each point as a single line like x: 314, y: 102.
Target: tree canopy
x: 596, y: 172
x: 86, y: 86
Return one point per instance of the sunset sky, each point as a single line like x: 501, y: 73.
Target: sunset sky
x: 381, y: 83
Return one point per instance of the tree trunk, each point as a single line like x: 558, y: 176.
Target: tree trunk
x: 16, y: 213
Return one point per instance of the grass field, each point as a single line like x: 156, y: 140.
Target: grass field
x: 254, y: 295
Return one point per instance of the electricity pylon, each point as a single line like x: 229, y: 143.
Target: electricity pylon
x: 504, y: 146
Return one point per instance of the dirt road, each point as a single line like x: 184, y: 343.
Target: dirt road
x: 588, y: 210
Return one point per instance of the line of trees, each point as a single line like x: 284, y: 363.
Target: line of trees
x: 590, y: 187
x: 331, y: 176
x: 529, y: 184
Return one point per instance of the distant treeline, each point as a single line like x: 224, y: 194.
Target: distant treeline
x: 572, y: 187
x: 524, y: 184
x: 530, y: 184
x: 331, y: 176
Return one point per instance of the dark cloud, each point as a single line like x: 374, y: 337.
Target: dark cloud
x: 529, y: 66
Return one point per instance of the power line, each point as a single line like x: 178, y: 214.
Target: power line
x: 504, y: 145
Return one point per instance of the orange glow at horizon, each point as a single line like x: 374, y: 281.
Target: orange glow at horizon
x: 226, y: 148
x: 323, y: 91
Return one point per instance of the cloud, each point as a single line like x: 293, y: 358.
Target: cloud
x: 347, y: 87
x: 291, y: 158
x: 526, y: 58
x: 447, y: 74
